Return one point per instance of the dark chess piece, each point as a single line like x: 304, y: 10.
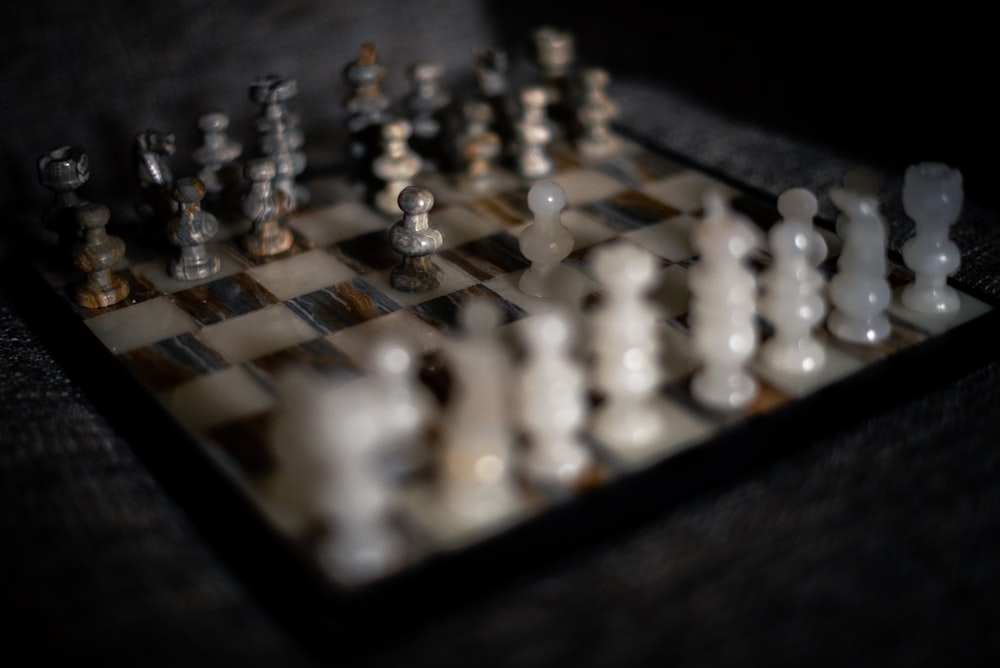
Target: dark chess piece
x: 555, y: 51
x: 367, y: 109
x: 149, y: 157
x: 217, y: 152
x: 266, y: 207
x: 416, y: 238
x: 64, y: 170
x: 280, y: 136
x: 191, y: 230
x: 427, y: 108
x: 95, y: 254
x: 492, y: 76
x: 479, y: 148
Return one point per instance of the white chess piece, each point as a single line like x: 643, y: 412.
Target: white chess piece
x: 859, y: 291
x: 932, y: 197
x: 329, y: 474
x: 800, y: 206
x: 723, y: 306
x: 545, y: 241
x: 534, y: 133
x: 626, y: 350
x: 552, y: 402
x: 792, y: 299
x: 865, y: 182
x: 476, y: 476
x: 396, y: 166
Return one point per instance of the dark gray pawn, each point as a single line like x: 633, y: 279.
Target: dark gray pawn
x: 416, y: 239
x: 64, y: 170
x: 191, y: 230
x: 95, y: 254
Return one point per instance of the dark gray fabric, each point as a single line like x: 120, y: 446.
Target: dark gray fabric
x: 877, y: 544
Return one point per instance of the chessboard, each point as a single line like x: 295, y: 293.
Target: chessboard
x: 213, y: 372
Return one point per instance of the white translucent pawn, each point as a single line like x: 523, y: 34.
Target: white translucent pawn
x: 396, y: 166
x: 534, y: 133
x: 799, y: 206
x: 932, y: 197
x: 551, y: 397
x: 859, y: 291
x: 407, y: 407
x: 330, y: 440
x: 625, y: 345
x: 476, y: 474
x: 545, y: 241
x: 723, y: 306
x: 792, y: 299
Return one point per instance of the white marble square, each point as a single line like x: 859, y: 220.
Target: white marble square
x: 459, y: 225
x: 301, y: 274
x: 670, y: 239
x: 156, y: 271
x: 358, y: 341
x: 454, y: 279
x: 571, y: 287
x: 211, y: 400
x: 257, y: 333
x: 587, y: 185
x: 683, y: 430
x: 969, y: 309
x: 586, y: 229
x: 141, y: 324
x: 685, y: 191
x: 338, y: 222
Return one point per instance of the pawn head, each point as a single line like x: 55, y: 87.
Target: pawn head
x: 546, y: 197
x: 188, y: 190
x: 92, y: 215
x: 415, y: 200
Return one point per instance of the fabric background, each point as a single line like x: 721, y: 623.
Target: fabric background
x: 875, y: 544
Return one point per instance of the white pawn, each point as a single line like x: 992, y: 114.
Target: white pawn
x: 792, y: 297
x: 799, y: 206
x: 534, y: 133
x: 596, y: 114
x: 932, y: 197
x: 330, y: 440
x: 551, y: 398
x: 624, y: 342
x: 476, y: 474
x: 859, y: 291
x: 545, y: 241
x: 407, y: 407
x: 396, y: 166
x: 723, y: 306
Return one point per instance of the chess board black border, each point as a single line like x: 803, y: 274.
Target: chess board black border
x: 332, y: 620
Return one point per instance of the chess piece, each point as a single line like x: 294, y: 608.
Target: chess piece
x: 625, y: 348
x: 545, y: 241
x: 266, y: 207
x: 555, y: 52
x: 149, y: 157
x: 416, y: 238
x: 64, y: 171
x: 492, y: 77
x: 407, y: 406
x: 859, y: 290
x: 476, y: 481
x: 329, y: 483
x: 191, y: 230
x: 792, y: 299
x: 863, y: 181
x: 367, y: 109
x: 396, y: 166
x: 279, y: 136
x: 534, y: 133
x: 932, y: 198
x: 596, y: 112
x: 426, y: 106
x: 723, y: 305
x: 552, y: 404
x: 798, y: 207
x: 479, y: 148
x: 216, y: 151
x: 96, y: 254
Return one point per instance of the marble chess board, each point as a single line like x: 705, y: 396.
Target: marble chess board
x: 206, y: 356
